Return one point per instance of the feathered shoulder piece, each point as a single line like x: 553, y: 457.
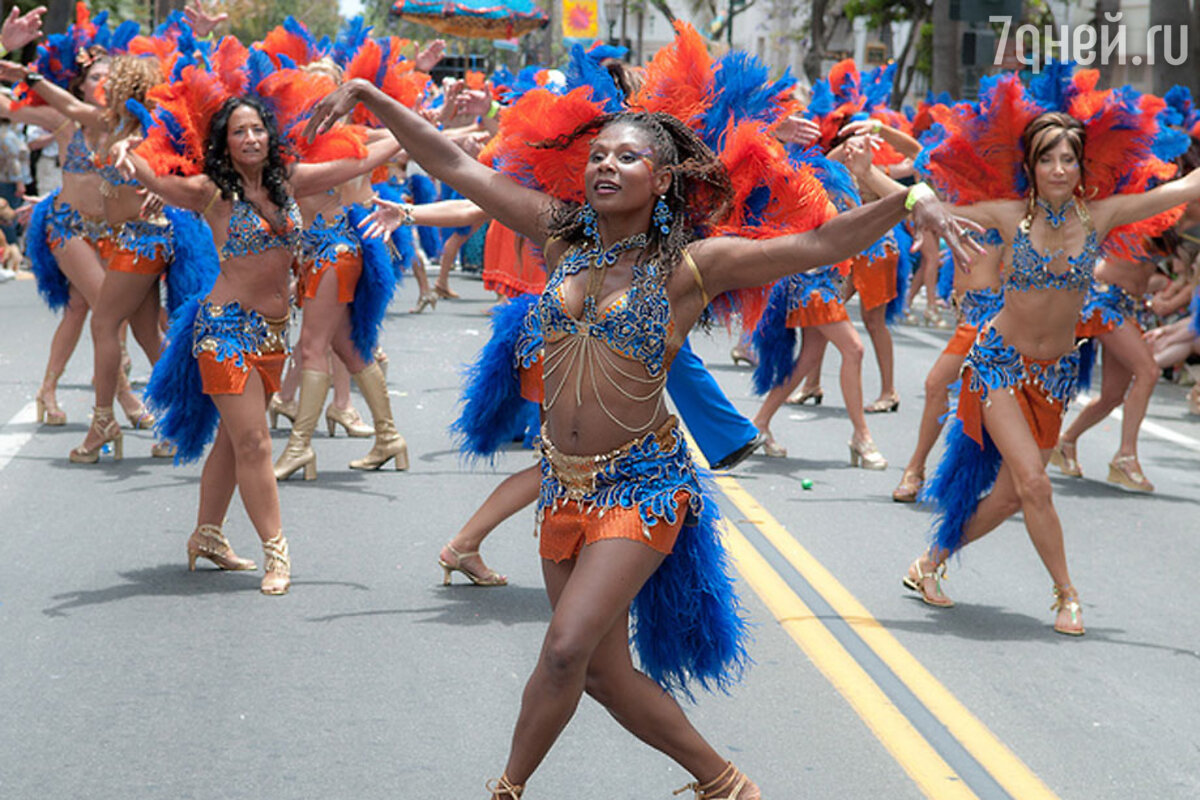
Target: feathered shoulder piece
x: 848, y: 96
x: 354, y: 33
x: 291, y: 95
x: 178, y: 127
x: 679, y: 79
x: 290, y: 45
x: 382, y: 62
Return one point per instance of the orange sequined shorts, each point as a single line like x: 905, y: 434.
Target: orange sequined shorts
x: 228, y: 342
x: 875, y: 280
x: 347, y: 267
x: 140, y: 247
x: 644, y: 491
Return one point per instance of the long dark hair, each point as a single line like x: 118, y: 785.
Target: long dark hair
x: 698, y: 197
x: 219, y: 166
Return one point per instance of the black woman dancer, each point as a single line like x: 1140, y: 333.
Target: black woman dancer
x: 1022, y: 369
x: 628, y: 283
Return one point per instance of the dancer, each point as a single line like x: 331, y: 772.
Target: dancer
x: 1021, y: 370
x: 234, y: 340
x: 640, y: 287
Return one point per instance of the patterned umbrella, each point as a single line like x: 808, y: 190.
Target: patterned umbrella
x: 484, y: 19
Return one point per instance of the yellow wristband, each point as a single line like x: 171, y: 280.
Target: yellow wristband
x: 917, y: 193
x: 494, y: 111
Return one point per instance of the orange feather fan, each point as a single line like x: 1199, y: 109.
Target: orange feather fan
x: 679, y: 79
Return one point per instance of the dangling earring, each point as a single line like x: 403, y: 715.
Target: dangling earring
x: 587, y: 215
x: 662, y: 216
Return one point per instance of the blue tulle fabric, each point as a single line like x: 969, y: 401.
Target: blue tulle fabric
x: 52, y: 285
x: 374, y: 290
x: 493, y: 411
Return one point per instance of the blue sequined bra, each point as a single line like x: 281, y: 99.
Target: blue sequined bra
x: 250, y: 234
x: 79, y: 156
x: 1031, y: 268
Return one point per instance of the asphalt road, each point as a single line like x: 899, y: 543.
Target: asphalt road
x: 122, y: 675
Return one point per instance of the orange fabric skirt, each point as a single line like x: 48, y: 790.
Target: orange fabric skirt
x: 875, y: 281
x: 348, y: 268
x: 129, y: 261
x: 1093, y: 326
x: 512, y: 265
x: 226, y: 377
x: 1043, y: 414
x: 960, y: 343
x: 817, y: 312
x: 567, y: 529
x: 532, y: 388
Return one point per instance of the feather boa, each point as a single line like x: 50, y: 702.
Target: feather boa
x: 196, y: 263
x: 186, y: 416
x: 374, y: 290
x: 493, y: 411
x: 52, y: 285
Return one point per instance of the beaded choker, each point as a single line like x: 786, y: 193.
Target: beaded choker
x: 1056, y: 217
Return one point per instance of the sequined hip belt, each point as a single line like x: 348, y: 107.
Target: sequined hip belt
x: 230, y: 332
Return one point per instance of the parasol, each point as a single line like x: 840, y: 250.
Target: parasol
x: 484, y: 19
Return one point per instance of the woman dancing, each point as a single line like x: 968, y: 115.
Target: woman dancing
x: 628, y: 283
x: 236, y: 336
x: 1021, y: 370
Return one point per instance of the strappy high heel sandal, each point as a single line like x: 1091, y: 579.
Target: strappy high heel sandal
x: 740, y: 355
x: 731, y: 784
x: 489, y: 577
x: 884, y: 405
x: 866, y: 455
x: 772, y: 448
x: 916, y: 580
x: 207, y: 541
x: 105, y: 428
x: 1126, y: 471
x: 502, y: 789
x: 445, y: 292
x: 1066, y: 602
x: 804, y: 394
x: 425, y: 300
x: 48, y: 412
x: 278, y: 568
x: 909, y: 487
x: 1063, y: 457
x: 139, y: 417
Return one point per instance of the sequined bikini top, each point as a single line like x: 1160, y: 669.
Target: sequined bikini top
x: 79, y: 156
x: 637, y: 326
x: 1031, y: 268
x: 250, y: 234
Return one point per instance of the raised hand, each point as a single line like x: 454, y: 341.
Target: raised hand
x: 120, y: 153
x: 21, y: 29
x: 202, y: 21
x: 386, y: 218
x: 473, y: 102
x: 11, y: 72
x: 429, y: 57
x: 335, y: 105
x: 931, y: 218
x: 798, y: 130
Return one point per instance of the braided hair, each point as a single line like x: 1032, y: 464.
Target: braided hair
x: 219, y: 166
x: 699, y: 196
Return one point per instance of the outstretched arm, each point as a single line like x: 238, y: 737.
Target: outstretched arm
x: 513, y: 205
x: 57, y: 98
x: 309, y: 179
x: 194, y: 192
x: 1122, y: 209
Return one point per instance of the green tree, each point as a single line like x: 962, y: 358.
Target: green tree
x: 882, y: 13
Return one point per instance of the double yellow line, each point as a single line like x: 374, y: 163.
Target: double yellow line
x: 920, y: 759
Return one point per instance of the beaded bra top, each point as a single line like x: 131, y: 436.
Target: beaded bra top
x: 1031, y: 268
x: 636, y: 326
x: 79, y: 158
x: 250, y: 234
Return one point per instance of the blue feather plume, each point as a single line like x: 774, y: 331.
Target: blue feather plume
x: 584, y: 69
x: 688, y: 625
x: 1196, y: 313
x: 741, y: 91
x: 965, y: 473
x: 906, y: 264
x: 52, y: 285
x: 350, y: 39
x: 186, y: 416
x: 194, y: 269
x: 774, y: 341
x: 141, y: 114
x: 424, y: 191
x: 493, y: 410
x: 374, y: 290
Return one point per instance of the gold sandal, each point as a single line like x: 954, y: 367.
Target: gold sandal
x: 488, y: 578
x: 1066, y: 599
x: 501, y: 788
x: 909, y: 487
x: 278, y: 570
x: 726, y: 786
x: 1126, y: 471
x: 1063, y: 457
x: 207, y: 541
x: 915, y: 580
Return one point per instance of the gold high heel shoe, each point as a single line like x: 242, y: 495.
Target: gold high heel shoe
x: 1063, y: 457
x: 487, y: 578
x: 772, y: 448
x: 883, y: 405
x: 866, y: 455
x: 427, y: 299
x: 915, y: 580
x: 804, y: 394
x: 740, y: 355
x: 207, y: 541
x: 934, y: 319
x: 502, y: 789
x: 731, y: 784
x: 278, y: 567
x: 163, y: 449
x: 909, y: 487
x: 1126, y: 471
x: 1066, y: 601
x: 299, y: 453
x: 445, y: 292
x: 48, y: 412
x: 389, y: 444
x: 105, y: 426
x: 349, y: 419
x: 280, y: 408
x: 140, y: 418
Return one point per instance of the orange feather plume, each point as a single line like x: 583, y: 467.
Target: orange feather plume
x: 679, y: 79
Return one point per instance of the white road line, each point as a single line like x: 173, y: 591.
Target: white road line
x: 921, y: 336
x: 11, y: 443
x: 1152, y: 428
